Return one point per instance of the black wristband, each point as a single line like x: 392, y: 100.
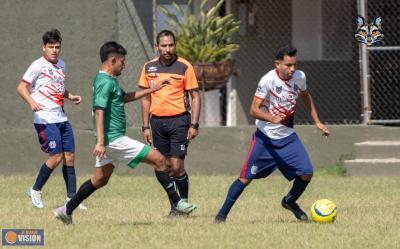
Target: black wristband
x: 145, y: 128
x: 194, y: 126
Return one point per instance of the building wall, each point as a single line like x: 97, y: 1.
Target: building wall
x: 84, y: 25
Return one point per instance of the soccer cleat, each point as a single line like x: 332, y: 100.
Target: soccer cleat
x: 295, y: 209
x: 173, y: 213
x: 184, y: 207
x: 219, y: 219
x: 61, y: 214
x: 81, y: 205
x: 36, y: 197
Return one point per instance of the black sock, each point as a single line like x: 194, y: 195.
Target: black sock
x: 70, y: 179
x: 182, y: 182
x: 176, y: 189
x: 168, y: 185
x: 84, y: 192
x: 295, y: 192
x: 43, y: 176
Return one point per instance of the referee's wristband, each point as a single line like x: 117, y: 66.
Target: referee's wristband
x: 145, y: 128
x: 194, y: 126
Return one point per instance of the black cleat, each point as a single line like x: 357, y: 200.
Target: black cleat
x: 295, y: 209
x: 219, y: 220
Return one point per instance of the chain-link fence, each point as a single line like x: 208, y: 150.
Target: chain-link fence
x: 323, y: 32
x: 384, y: 63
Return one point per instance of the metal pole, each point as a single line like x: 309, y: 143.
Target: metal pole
x: 364, y: 70
x: 154, y: 5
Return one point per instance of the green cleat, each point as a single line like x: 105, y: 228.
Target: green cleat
x: 183, y: 207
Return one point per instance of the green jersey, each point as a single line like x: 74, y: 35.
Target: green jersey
x: 108, y: 96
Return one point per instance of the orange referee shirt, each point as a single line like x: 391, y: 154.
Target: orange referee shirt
x: 170, y: 100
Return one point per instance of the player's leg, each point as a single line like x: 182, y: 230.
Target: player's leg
x: 235, y: 190
x: 98, y: 180
x: 68, y: 169
x: 178, y: 149
x: 296, y: 165
x: 157, y: 160
x: 259, y: 164
x: 50, y: 141
x: 161, y: 141
x: 178, y: 130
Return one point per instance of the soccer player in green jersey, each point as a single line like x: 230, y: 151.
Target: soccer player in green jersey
x: 112, y: 145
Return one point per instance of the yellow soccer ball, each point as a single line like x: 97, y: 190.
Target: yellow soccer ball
x: 323, y: 211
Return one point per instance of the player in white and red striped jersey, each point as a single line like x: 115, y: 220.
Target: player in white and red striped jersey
x: 275, y: 144
x: 43, y: 88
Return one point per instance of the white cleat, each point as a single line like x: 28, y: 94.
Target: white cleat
x: 81, y: 205
x: 36, y: 197
x: 61, y: 214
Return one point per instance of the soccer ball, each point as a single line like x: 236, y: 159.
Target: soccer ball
x: 323, y: 211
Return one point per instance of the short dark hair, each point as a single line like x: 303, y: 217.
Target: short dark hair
x: 165, y: 32
x: 288, y: 50
x: 110, y: 48
x: 52, y: 36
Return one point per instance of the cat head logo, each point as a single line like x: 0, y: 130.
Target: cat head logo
x: 369, y: 33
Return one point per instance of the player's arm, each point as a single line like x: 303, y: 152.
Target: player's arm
x: 23, y: 91
x: 145, y: 106
x: 257, y: 113
x: 306, y: 96
x: 99, y: 149
x: 195, y: 105
x: 132, y: 96
x: 76, y: 99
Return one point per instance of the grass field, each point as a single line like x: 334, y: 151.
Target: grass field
x: 130, y: 213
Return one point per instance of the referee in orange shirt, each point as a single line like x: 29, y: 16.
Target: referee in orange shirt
x: 167, y: 122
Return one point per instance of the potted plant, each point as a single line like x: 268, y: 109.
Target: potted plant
x: 205, y: 41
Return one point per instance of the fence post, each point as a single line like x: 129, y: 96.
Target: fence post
x: 364, y: 70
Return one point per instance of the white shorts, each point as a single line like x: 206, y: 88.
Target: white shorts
x: 124, y: 149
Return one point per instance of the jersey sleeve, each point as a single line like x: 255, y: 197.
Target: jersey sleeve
x: 302, y: 82
x: 32, y: 74
x: 143, y: 82
x: 190, y: 79
x: 263, y: 88
x: 101, y: 94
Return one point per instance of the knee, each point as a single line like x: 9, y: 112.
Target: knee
x: 54, y: 160
x: 245, y: 181
x: 160, y: 163
x: 69, y: 159
x: 306, y: 178
x: 99, y: 182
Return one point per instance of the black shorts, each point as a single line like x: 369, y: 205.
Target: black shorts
x: 170, y: 134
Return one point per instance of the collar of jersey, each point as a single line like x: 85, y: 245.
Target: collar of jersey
x: 104, y: 72
x: 279, y: 76
x: 167, y: 65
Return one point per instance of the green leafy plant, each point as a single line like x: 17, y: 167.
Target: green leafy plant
x: 203, y: 38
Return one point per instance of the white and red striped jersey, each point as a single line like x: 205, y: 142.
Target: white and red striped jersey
x: 47, y: 88
x: 280, y: 96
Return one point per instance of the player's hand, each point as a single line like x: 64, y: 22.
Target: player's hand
x: 76, y: 99
x: 35, y: 106
x: 323, y: 128
x: 277, y: 119
x: 192, y: 133
x: 147, y: 137
x: 162, y: 83
x: 99, y: 151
